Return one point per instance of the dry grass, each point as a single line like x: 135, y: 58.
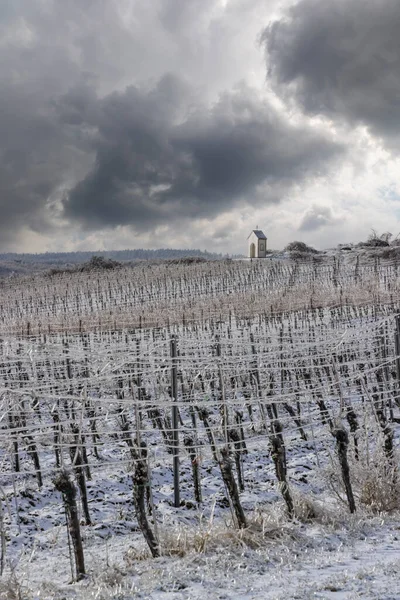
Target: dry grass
x: 307, y: 510
x: 182, y: 540
x: 378, y: 485
x: 375, y: 479
x: 10, y: 589
x: 265, y: 527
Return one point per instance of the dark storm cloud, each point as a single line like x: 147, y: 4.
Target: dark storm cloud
x: 158, y: 157
x: 39, y: 154
x: 340, y: 59
x: 148, y: 152
x: 36, y: 156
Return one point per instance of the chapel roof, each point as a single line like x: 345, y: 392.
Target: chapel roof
x: 260, y: 234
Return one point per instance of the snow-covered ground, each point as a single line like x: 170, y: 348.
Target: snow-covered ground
x: 344, y: 356
x: 354, y: 557
x: 331, y: 555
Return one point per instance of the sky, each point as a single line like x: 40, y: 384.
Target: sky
x: 188, y: 123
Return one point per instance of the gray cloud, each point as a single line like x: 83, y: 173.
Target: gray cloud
x: 318, y: 217
x: 340, y: 59
x: 54, y: 55
x: 38, y: 153
x: 36, y: 157
x: 144, y: 153
x: 158, y: 159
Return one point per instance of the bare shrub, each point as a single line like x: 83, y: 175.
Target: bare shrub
x: 381, y: 494
x: 96, y: 263
x: 377, y: 241
x: 377, y: 484
x: 187, y: 260
x: 374, y: 478
x: 396, y: 241
x: 99, y: 263
x: 300, y: 247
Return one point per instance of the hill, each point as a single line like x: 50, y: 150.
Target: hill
x: 13, y: 263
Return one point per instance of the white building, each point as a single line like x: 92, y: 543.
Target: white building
x: 257, y: 243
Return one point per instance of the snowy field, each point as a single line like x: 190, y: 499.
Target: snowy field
x: 349, y: 559
x: 264, y: 370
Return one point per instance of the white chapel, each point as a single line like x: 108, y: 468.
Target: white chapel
x: 257, y: 244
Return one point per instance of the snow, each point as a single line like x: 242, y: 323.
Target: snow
x: 336, y: 555
x: 354, y: 558
x: 332, y: 555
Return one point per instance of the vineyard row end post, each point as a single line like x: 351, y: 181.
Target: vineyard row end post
x: 397, y: 351
x: 175, y: 421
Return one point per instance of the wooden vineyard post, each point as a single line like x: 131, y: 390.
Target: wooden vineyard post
x: 3, y: 539
x: 397, y: 350
x: 78, y: 465
x: 223, y: 408
x: 342, y: 443
x: 138, y: 411
x: 64, y: 485
x: 175, y: 421
x: 194, y: 459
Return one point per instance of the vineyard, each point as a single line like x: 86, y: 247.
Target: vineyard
x: 144, y: 408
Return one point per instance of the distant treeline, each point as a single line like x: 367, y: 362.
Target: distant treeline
x: 53, y: 258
